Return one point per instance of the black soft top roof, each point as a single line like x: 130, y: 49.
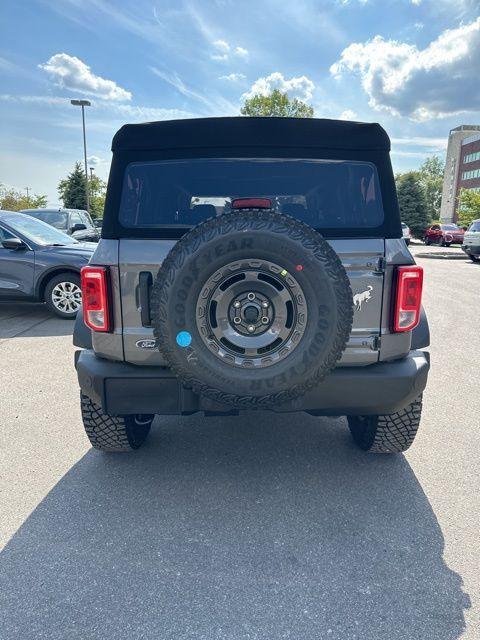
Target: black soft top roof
x: 251, y: 132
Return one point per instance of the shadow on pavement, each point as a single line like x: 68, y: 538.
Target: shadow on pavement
x: 29, y: 320
x: 233, y: 528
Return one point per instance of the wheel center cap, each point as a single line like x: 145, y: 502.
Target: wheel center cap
x: 251, y: 313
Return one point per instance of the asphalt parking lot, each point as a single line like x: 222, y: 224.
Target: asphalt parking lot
x: 253, y: 527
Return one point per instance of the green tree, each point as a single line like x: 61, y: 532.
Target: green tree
x: 276, y: 104
x: 412, y: 203
x: 72, y: 189
x: 430, y: 176
x: 468, y: 207
x: 97, y: 190
x: 13, y: 200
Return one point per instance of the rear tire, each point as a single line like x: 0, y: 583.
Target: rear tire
x: 113, y: 433
x: 392, y: 433
x: 474, y: 258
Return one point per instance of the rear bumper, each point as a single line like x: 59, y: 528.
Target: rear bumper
x: 471, y: 249
x: 122, y: 389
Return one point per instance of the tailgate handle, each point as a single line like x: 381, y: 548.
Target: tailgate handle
x: 145, y: 283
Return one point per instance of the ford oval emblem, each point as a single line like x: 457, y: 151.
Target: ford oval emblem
x: 146, y: 344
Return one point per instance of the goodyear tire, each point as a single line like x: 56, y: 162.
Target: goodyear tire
x: 113, y: 433
x: 392, y: 433
x: 252, y: 308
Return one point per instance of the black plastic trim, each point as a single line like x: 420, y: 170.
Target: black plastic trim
x: 145, y: 281
x: 421, y: 333
x: 82, y: 335
x: 383, y: 388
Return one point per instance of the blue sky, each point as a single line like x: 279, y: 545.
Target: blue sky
x: 412, y: 65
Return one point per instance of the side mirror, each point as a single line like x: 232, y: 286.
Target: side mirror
x: 14, y: 243
x: 78, y: 227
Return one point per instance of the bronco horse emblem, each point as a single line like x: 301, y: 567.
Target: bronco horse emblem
x: 360, y: 298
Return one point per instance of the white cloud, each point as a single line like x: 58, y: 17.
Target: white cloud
x: 420, y: 141
x: 241, y: 52
x: 348, y: 114
x: 115, y: 110
x: 225, y: 51
x: 221, y: 45
x: 300, y: 87
x: 46, y: 100
x: 71, y: 73
x: 233, y: 77
x: 434, y: 82
x: 141, y: 113
x: 94, y: 161
x: 417, y: 2
x: 6, y: 65
x: 215, y: 103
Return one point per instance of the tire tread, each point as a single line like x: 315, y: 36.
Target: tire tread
x: 253, y: 219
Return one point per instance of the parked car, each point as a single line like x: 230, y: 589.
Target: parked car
x: 211, y: 289
x: 98, y: 222
x: 444, y: 234
x: 471, y: 241
x: 75, y: 222
x: 406, y: 233
x: 40, y: 264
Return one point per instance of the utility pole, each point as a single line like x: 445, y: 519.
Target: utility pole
x: 83, y: 104
x: 27, y: 189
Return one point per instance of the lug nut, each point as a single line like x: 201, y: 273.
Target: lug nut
x: 237, y: 320
x: 264, y: 320
x: 251, y: 328
x: 251, y: 296
x: 236, y: 304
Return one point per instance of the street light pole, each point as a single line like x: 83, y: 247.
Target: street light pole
x: 83, y: 104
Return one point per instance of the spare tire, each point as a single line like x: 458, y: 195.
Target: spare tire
x: 252, y: 308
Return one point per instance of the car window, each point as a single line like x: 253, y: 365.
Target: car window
x: 85, y: 218
x: 36, y: 230
x: 449, y: 227
x: 181, y: 193
x: 475, y: 226
x: 436, y: 227
x: 57, y: 219
x: 5, y: 235
x: 75, y: 218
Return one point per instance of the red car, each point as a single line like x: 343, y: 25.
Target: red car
x: 444, y: 235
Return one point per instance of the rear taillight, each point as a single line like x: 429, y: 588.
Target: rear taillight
x: 408, y: 300
x: 95, y: 299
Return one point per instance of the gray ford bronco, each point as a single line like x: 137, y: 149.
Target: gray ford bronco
x: 252, y: 263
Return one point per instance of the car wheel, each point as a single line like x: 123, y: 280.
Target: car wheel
x: 113, y: 433
x: 252, y: 309
x: 474, y: 258
x: 426, y: 241
x: 391, y: 433
x: 63, y: 295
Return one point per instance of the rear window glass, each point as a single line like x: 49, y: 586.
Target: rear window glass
x: 55, y: 218
x: 179, y: 194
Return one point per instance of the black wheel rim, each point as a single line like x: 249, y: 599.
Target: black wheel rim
x: 251, y: 313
